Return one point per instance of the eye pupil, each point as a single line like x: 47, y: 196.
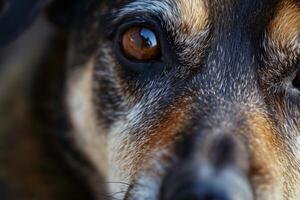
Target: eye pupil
x: 140, y: 43
x: 296, y: 81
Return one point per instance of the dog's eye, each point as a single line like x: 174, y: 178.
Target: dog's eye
x: 140, y: 43
x: 296, y: 81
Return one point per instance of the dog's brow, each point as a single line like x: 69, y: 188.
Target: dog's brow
x: 145, y: 6
x: 191, y: 14
x: 137, y: 7
x: 285, y: 27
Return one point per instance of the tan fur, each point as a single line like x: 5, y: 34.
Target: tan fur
x: 285, y: 27
x: 165, y: 132
x: 88, y: 135
x: 130, y: 156
x: 266, y: 155
x: 140, y: 142
x: 194, y: 15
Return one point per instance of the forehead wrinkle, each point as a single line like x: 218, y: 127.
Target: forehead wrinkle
x: 284, y: 29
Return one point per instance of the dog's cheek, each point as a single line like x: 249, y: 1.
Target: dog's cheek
x: 289, y: 120
x: 266, y: 160
x: 140, y: 148
x: 122, y: 153
x: 94, y: 105
x: 87, y: 134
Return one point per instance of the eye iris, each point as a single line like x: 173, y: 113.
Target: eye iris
x: 296, y: 81
x: 140, y: 43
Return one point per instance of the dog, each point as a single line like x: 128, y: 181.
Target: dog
x: 185, y: 99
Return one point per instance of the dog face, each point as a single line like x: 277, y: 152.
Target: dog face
x: 189, y: 99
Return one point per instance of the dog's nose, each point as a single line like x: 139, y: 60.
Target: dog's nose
x: 200, y: 191
x: 206, y: 184
x: 212, y: 169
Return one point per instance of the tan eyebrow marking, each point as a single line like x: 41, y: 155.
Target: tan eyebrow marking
x: 189, y: 16
x: 194, y: 15
x: 285, y: 27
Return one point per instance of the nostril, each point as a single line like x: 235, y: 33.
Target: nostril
x: 194, y: 182
x: 200, y: 191
x: 210, y: 197
x: 204, y: 197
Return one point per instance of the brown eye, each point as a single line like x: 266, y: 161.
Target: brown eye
x: 140, y: 43
x: 296, y: 81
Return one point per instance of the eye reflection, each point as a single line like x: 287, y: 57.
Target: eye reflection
x: 149, y: 37
x: 140, y: 43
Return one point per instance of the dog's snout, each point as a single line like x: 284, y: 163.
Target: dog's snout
x: 227, y: 151
x: 204, y: 182
x: 211, y: 167
x: 223, y: 151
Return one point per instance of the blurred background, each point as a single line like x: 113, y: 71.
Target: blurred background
x: 30, y: 163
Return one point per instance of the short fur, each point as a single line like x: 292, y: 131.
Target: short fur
x: 227, y: 74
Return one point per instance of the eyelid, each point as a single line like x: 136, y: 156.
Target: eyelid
x: 114, y: 25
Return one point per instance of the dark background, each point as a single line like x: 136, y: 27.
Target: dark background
x: 30, y: 167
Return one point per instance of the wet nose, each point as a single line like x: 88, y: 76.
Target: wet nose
x: 206, y: 183
x: 213, y: 170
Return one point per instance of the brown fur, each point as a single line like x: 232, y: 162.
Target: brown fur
x: 194, y: 15
x: 284, y: 29
x: 222, y: 96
